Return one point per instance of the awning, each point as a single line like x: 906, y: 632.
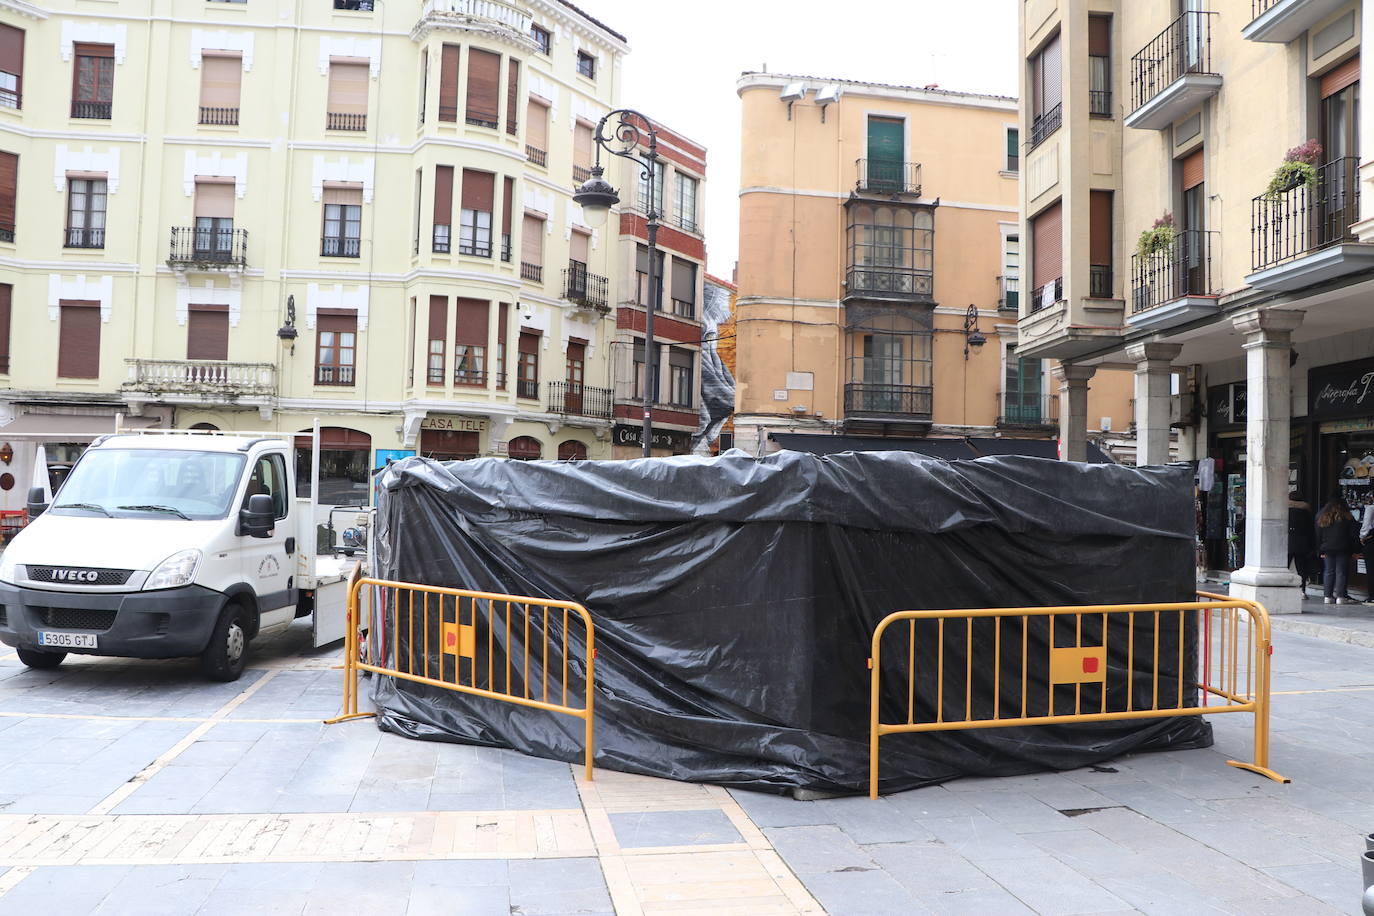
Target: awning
x: 948, y: 449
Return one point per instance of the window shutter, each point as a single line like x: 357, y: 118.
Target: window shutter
x: 479, y: 189
x: 78, y: 345
x: 529, y: 343
x: 1193, y: 174
x: 582, y: 145
x: 502, y: 311
x: 885, y: 139
x: 1100, y: 228
x: 342, y: 194
x: 448, y: 84
x: 219, y: 80
x: 1340, y: 76
x: 1048, y: 90
x: 507, y: 203
x: 537, y: 125
x: 524, y: 448
x: 9, y: 185
x: 347, y: 87
x: 215, y: 199
x: 484, y: 78
x: 12, y: 55
x: 512, y: 96
x: 532, y: 240
x: 443, y: 195
x: 577, y: 248
x: 438, y: 317
x: 84, y: 49
x: 6, y: 294
x: 1013, y: 143
x: 472, y: 320
x: 572, y: 450
x: 207, y: 332
x: 1099, y: 36
x: 684, y: 280
x: 1047, y: 236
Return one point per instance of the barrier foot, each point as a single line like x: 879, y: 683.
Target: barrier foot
x: 351, y: 715
x: 1256, y: 768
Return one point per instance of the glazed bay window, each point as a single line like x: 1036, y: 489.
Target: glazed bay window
x: 11, y: 67
x: 470, y: 342
x: 448, y: 83
x: 680, y: 376
x: 889, y: 359
x: 343, y: 222
x: 336, y: 347
x: 220, y: 73
x: 92, y: 81
x: 686, y: 200
x: 85, y: 213
x: 891, y: 252
x: 474, y: 220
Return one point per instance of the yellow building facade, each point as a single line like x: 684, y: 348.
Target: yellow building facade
x: 880, y: 271
x: 250, y: 216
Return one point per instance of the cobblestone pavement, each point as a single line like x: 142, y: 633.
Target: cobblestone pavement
x: 139, y: 787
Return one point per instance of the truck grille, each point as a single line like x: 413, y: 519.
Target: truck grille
x: 4, y: 617
x: 75, y: 618
x: 78, y: 575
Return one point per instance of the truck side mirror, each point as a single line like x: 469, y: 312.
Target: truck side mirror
x: 258, y: 518
x: 36, y: 506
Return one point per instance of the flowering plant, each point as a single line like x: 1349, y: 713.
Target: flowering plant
x: 1298, y: 168
x: 1158, y: 237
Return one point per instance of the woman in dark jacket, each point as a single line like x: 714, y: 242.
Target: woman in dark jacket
x: 1337, y: 538
x: 1301, y: 542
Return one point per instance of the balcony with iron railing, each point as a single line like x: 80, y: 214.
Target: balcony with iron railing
x: 537, y: 156
x: 514, y: 17
x: 97, y: 111
x: 1100, y: 281
x: 868, y: 281
x: 1173, y: 285
x: 195, y: 379
x: 882, y: 401
x: 219, y: 117
x: 507, y: 253
x: 83, y: 238
x: 578, y: 400
x: 527, y: 388
x: 888, y: 177
x: 361, y: 6
x: 1009, y: 293
x: 196, y: 246
x: 1046, y: 124
x: 338, y: 120
x: 6, y: 231
x: 1281, y: 21
x: 1172, y: 74
x: 334, y: 375
x: 1028, y: 410
x: 581, y: 173
x: 1300, y: 235
x: 585, y: 288
x: 1047, y: 294
x: 332, y: 246
x: 532, y: 272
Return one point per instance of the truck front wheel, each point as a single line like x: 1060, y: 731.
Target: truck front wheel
x: 224, y: 658
x: 36, y: 659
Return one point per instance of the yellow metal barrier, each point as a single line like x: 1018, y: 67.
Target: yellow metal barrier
x: 1233, y: 652
x: 510, y: 648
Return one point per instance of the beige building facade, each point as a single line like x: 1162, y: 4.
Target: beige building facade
x: 880, y: 272
x: 240, y: 215
x: 1195, y: 213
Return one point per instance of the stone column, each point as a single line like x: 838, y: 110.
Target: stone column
x: 1265, y: 577
x: 1152, y: 371
x: 1073, y: 410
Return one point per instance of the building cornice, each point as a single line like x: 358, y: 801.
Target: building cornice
x: 844, y: 195
x: 89, y: 136
x: 932, y: 96
x: 24, y: 9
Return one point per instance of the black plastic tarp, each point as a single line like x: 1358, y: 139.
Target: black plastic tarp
x: 735, y: 600
x: 951, y: 448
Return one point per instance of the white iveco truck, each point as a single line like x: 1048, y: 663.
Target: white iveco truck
x: 164, y: 544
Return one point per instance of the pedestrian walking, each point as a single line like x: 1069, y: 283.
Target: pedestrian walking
x: 1302, y: 544
x: 1338, y: 537
x: 1367, y: 547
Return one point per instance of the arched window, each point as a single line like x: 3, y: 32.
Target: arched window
x: 572, y: 450
x: 208, y: 427
x: 524, y: 448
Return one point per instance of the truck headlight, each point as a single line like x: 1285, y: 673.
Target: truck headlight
x: 177, y: 570
x: 9, y: 569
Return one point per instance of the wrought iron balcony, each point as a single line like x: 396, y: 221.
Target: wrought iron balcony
x: 1172, y: 74
x: 1009, y: 297
x: 1281, y: 21
x: 1046, y: 124
x: 578, y: 400
x: 334, y: 375
x: 337, y: 120
x: 99, y: 111
x: 84, y: 238
x: 536, y: 155
x: 527, y: 388
x: 1100, y: 103
x: 532, y: 272
x: 1100, y: 281
x: 201, y: 377
x: 889, y: 283
x: 336, y: 247
x: 1304, y: 219
x: 1181, y: 270
x: 581, y: 173
x: 223, y: 117
x: 202, y: 247
x: 585, y: 288
x: 872, y: 399
x: 1029, y: 410
x: 469, y: 378
x: 6, y: 231
x: 1047, y: 294
x: 883, y: 176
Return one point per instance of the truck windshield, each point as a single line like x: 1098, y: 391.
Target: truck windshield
x: 151, y: 483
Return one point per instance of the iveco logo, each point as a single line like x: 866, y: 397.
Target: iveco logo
x: 74, y: 575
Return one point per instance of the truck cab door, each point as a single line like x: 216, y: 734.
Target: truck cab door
x: 269, y: 564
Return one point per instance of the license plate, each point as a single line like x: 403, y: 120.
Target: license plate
x: 68, y: 640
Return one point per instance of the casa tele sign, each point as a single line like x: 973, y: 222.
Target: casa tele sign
x: 1341, y: 391
x: 456, y: 424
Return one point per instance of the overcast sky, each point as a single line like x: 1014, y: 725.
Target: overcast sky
x: 685, y: 58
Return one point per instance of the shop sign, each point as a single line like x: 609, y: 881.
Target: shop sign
x: 1226, y: 405
x: 1341, y: 390
x: 1346, y: 426
x: 457, y: 424
x: 634, y: 435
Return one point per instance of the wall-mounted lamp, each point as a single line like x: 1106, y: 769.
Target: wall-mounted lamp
x: 972, y: 336
x: 287, y: 332
x: 6, y: 453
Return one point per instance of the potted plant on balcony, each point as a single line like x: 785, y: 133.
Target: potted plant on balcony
x: 1158, y: 237
x: 1298, y: 168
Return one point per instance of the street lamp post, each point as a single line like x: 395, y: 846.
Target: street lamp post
x: 619, y: 133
